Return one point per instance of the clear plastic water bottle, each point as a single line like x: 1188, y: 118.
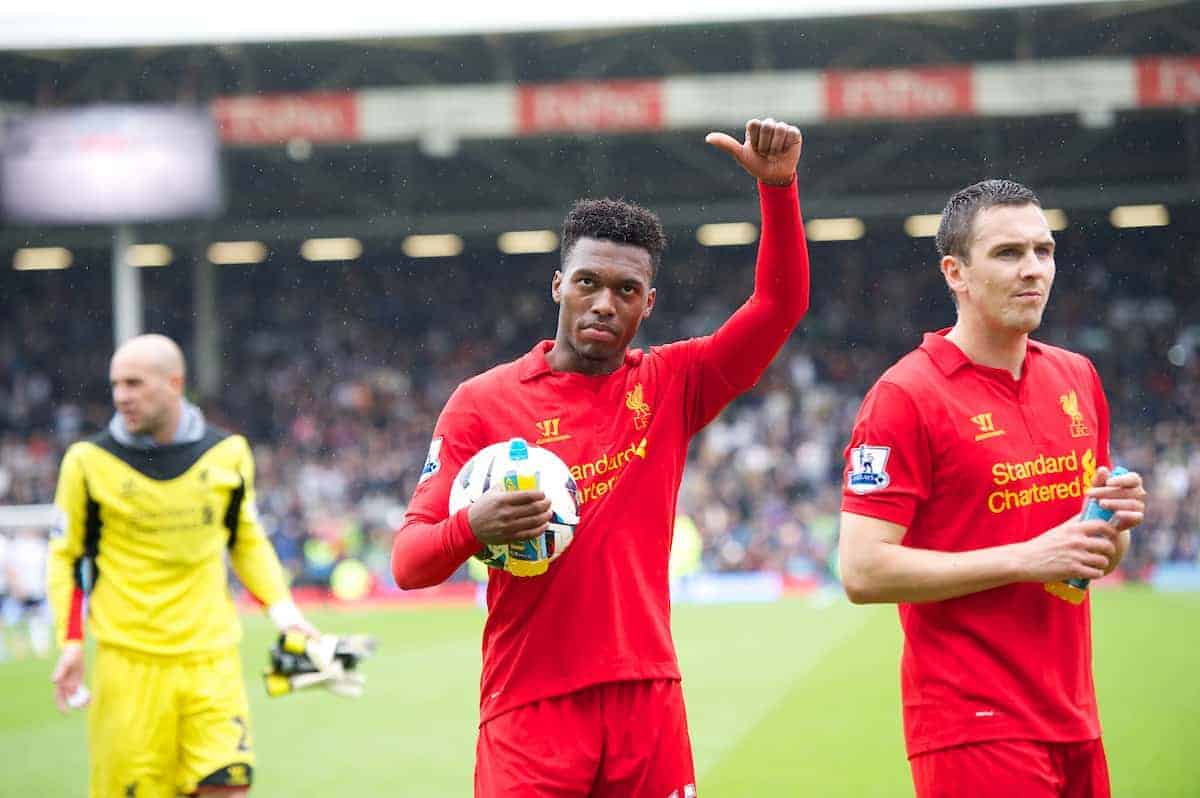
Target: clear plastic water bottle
x: 1073, y: 590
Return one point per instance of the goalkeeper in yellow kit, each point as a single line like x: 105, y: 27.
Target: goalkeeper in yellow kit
x: 148, y: 510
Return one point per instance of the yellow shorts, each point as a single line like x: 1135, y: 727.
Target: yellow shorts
x: 162, y: 726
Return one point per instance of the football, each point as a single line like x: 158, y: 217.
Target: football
x: 516, y: 465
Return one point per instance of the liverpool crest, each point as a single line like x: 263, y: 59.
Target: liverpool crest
x: 1070, y: 406
x: 635, y: 400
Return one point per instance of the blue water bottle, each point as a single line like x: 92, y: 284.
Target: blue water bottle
x: 1073, y: 590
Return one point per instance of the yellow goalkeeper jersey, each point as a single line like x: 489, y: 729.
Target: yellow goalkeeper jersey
x: 145, y: 532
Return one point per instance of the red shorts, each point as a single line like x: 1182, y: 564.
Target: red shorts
x: 617, y: 739
x: 1005, y: 768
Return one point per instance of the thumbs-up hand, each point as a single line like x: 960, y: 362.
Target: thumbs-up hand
x: 769, y: 153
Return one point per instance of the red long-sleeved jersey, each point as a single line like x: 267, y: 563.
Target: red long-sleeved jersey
x: 602, y: 611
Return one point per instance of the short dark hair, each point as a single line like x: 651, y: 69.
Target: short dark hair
x: 614, y: 220
x: 958, y: 217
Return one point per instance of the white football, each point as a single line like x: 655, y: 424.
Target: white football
x: 487, y: 470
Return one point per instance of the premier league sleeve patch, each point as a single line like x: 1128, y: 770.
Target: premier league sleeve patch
x: 433, y: 460
x: 868, y: 469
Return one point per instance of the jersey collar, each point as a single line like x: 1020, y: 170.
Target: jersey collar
x: 533, y: 364
x: 949, y: 358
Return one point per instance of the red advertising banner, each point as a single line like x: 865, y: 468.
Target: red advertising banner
x: 587, y: 106
x: 899, y: 93
x: 1168, y: 81
x: 274, y: 119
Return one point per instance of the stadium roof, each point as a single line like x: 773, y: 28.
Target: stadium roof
x: 1100, y: 113
x: 128, y: 23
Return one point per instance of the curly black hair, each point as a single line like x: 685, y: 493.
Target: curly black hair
x: 614, y: 220
x: 954, y: 231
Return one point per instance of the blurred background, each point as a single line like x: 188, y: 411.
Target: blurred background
x: 341, y: 214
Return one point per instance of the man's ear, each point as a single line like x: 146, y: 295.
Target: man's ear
x: 952, y: 267
x: 649, y: 303
x: 556, y: 287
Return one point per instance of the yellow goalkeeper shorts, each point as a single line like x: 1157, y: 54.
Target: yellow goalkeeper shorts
x: 162, y: 726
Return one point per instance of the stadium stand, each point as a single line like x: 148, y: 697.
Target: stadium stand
x: 336, y: 374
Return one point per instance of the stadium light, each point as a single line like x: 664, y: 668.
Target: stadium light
x: 527, y: 242
x: 1140, y: 216
x: 728, y: 234
x: 844, y: 229
x: 149, y: 255
x: 299, y: 149
x: 1056, y: 219
x: 31, y: 259
x: 231, y: 252
x: 320, y: 249
x: 432, y: 246
x: 922, y: 225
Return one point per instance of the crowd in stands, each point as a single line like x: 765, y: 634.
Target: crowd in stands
x: 336, y: 374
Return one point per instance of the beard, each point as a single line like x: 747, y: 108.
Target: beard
x: 146, y: 424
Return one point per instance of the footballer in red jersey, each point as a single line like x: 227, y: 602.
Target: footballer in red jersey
x: 580, y: 690
x: 966, y: 472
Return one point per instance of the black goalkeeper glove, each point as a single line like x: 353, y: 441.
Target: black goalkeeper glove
x: 299, y: 662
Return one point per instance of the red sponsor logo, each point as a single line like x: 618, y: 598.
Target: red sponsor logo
x: 585, y: 106
x: 1168, y: 81
x: 278, y: 118
x: 899, y: 93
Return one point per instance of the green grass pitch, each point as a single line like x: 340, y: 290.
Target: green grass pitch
x: 795, y: 698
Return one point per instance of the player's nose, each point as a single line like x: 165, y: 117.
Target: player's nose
x: 602, y: 303
x: 1034, y: 266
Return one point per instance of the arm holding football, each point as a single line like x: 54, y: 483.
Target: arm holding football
x: 427, y: 553
x: 431, y: 543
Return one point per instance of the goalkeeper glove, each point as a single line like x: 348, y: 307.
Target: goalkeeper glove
x: 298, y: 662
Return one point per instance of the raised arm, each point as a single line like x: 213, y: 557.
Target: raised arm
x: 745, y: 344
